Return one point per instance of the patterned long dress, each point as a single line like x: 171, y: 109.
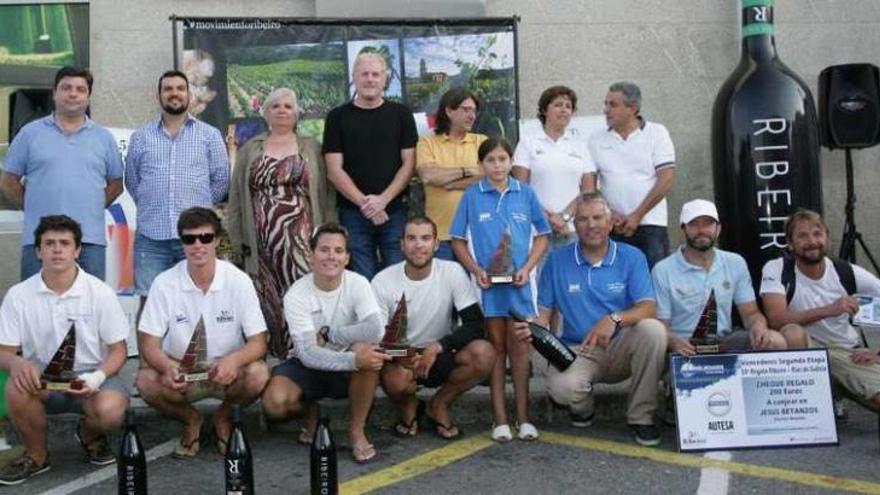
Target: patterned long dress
x: 283, y: 220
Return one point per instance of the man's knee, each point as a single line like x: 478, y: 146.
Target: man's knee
x: 280, y: 398
x: 256, y: 375
x: 480, y: 355
x: 795, y: 336
x: 107, y: 408
x: 397, y: 381
x: 651, y: 330
x: 148, y: 384
x: 563, y: 387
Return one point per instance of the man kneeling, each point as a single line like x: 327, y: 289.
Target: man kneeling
x: 36, y: 318
x: 434, y: 292
x: 201, y: 309
x: 334, y: 323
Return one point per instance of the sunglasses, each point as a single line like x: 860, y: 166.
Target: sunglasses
x: 205, y: 238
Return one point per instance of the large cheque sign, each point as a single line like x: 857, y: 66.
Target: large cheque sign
x: 760, y: 399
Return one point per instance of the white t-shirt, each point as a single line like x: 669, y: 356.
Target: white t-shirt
x: 308, y: 308
x: 230, y: 308
x: 556, y: 166
x: 810, y: 294
x: 628, y: 167
x: 36, y: 319
x: 430, y: 303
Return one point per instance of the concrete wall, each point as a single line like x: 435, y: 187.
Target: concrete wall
x: 679, y: 52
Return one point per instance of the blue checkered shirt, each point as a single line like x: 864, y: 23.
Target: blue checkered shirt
x: 166, y: 175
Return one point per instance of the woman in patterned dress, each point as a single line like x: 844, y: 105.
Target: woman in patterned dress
x: 279, y: 192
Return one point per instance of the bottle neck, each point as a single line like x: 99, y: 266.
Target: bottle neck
x: 758, y: 42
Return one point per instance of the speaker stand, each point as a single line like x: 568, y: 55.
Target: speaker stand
x: 851, y: 235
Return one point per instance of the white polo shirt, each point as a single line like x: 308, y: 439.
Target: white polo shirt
x: 430, y: 303
x: 556, y: 166
x: 308, y: 308
x: 36, y: 319
x: 230, y: 308
x: 628, y: 167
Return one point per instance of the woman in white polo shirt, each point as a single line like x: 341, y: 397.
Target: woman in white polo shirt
x: 556, y: 162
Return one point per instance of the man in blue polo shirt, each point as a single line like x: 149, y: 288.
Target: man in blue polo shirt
x: 685, y: 279
x: 70, y: 165
x: 603, y: 290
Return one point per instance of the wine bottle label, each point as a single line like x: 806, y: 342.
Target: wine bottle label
x: 757, y: 18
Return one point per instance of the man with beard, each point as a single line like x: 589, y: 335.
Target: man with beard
x: 447, y: 161
x: 452, y: 357
x: 174, y: 162
x: 818, y: 293
x: 684, y: 281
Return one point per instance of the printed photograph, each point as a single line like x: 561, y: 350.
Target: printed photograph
x: 390, y: 50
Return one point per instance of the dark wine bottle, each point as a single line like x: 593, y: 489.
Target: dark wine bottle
x: 131, y: 465
x: 765, y: 145
x: 548, y: 345
x: 322, y: 460
x: 238, y: 464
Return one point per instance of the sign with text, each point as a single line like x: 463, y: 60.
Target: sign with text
x: 757, y: 399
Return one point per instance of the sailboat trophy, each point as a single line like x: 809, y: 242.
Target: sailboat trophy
x: 59, y: 375
x: 394, y: 342
x: 705, y: 337
x: 195, y: 365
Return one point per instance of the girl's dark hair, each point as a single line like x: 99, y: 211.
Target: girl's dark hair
x: 490, y: 144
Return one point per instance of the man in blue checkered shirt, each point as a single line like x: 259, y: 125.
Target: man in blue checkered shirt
x: 174, y: 162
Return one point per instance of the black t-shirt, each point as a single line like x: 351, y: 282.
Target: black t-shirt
x: 370, y: 142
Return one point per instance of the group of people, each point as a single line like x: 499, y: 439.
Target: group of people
x: 314, y: 284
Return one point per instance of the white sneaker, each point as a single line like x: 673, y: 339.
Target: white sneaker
x: 502, y: 434
x: 527, y: 432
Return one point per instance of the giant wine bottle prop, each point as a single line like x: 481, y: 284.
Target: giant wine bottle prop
x: 131, y: 465
x: 765, y: 145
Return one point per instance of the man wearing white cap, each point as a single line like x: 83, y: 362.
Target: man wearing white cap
x: 685, y: 279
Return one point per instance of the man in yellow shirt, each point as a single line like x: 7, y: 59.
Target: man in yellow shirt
x: 447, y: 161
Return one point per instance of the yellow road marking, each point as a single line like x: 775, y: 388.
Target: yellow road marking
x: 699, y: 462
x: 420, y: 464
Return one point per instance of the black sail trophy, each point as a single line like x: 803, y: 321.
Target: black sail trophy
x: 59, y: 374
x: 765, y: 145
x: 548, y: 345
x: 501, y: 268
x: 131, y: 465
x: 322, y: 460
x: 394, y: 342
x: 194, y: 365
x: 705, y: 337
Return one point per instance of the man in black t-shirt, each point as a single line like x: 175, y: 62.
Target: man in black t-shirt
x: 369, y: 148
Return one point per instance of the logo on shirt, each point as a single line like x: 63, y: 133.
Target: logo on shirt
x: 726, y: 285
x: 485, y: 217
x: 519, y: 216
x: 225, y: 316
x: 572, y: 288
x: 615, y: 287
x: 539, y: 151
x: 575, y: 154
x: 181, y: 318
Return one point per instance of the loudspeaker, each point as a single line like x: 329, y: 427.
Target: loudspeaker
x: 849, y: 106
x: 26, y: 105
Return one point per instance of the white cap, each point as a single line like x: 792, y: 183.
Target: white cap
x: 698, y: 208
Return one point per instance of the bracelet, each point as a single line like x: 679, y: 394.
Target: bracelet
x: 463, y: 173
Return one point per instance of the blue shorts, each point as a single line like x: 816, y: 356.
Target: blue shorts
x: 62, y: 402
x: 499, y: 300
x: 152, y: 257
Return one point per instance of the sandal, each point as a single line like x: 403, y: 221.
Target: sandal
x: 186, y: 450
x: 222, y: 443
x: 409, y: 429
x: 363, y: 453
x: 305, y: 436
x: 443, y: 431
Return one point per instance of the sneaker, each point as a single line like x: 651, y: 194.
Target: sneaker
x: 646, y: 435
x: 581, y: 420
x: 527, y: 432
x: 97, y: 450
x: 502, y: 434
x: 20, y: 469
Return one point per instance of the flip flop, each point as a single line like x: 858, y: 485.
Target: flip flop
x: 363, y: 453
x: 403, y: 429
x: 451, y: 431
x: 222, y: 443
x: 305, y: 436
x: 186, y: 450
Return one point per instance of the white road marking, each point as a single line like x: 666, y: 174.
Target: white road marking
x: 714, y: 481
x: 108, y: 472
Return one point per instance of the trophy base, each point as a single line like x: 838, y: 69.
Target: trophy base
x: 398, y: 350
x: 56, y: 386
x: 706, y: 347
x: 500, y: 279
x: 192, y: 377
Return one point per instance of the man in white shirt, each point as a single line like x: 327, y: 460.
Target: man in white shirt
x: 203, y: 289
x: 454, y: 359
x: 36, y: 316
x: 636, y: 163
x: 810, y: 289
x: 334, y: 323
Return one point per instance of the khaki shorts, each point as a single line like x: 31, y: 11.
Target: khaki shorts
x: 860, y: 380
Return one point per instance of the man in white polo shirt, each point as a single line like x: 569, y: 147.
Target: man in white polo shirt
x: 451, y: 358
x: 636, y: 164
x: 35, y: 318
x: 201, y: 288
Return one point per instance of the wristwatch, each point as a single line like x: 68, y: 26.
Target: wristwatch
x: 615, y: 317
x: 324, y: 332
x: 566, y: 217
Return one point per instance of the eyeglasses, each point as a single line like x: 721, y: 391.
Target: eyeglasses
x: 205, y: 238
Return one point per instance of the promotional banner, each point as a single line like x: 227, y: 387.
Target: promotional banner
x: 233, y: 64
x: 759, y: 399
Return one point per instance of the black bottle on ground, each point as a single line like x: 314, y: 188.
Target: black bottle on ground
x: 322, y: 460
x: 765, y: 145
x: 238, y: 464
x: 131, y: 464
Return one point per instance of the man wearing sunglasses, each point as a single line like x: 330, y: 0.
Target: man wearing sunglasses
x: 201, y: 288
